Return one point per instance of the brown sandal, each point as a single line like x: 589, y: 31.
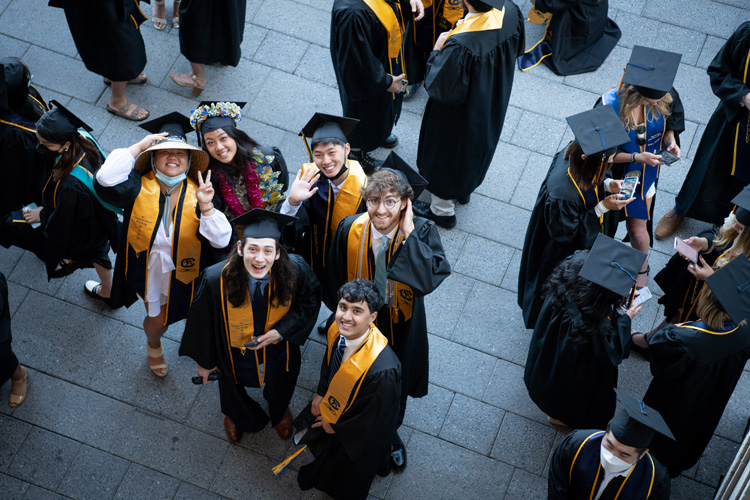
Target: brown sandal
x: 16, y: 399
x: 133, y: 115
x: 138, y: 80
x: 157, y: 354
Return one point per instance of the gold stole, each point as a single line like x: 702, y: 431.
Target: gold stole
x: 452, y: 13
x: 746, y: 137
x: 348, y: 379
x: 239, y: 326
x: 400, y: 296
x: 391, y: 23
x: 145, y: 215
x: 490, y: 20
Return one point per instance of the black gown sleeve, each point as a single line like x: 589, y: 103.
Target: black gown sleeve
x: 724, y: 70
x: 569, y: 222
x: 616, y: 339
x: 336, y: 270
x: 559, y: 467
x: 447, y: 79
x: 662, y: 488
x: 361, y: 72
x: 676, y: 120
x: 555, y: 6
x: 669, y: 360
x: 202, y: 322
x: 420, y: 262
x: 61, y: 223
x: 299, y: 321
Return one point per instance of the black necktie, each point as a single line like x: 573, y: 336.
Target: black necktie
x: 336, y: 357
x: 259, y: 310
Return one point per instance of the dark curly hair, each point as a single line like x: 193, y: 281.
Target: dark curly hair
x: 386, y: 181
x: 361, y: 290
x: 593, y: 301
x: 283, y: 276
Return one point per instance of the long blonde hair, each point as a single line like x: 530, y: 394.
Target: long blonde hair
x: 709, y: 312
x: 631, y: 99
x: 740, y: 242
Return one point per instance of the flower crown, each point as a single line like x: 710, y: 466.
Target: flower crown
x: 225, y: 109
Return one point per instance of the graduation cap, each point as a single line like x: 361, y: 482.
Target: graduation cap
x: 177, y: 127
x: 730, y: 287
x: 636, y: 423
x: 323, y: 126
x: 651, y: 71
x: 742, y: 201
x: 260, y: 223
x: 394, y: 163
x: 598, y: 130
x: 12, y: 72
x: 612, y: 264
x: 61, y: 121
x: 217, y: 115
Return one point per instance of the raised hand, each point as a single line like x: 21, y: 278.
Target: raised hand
x: 407, y: 219
x: 302, y: 187
x: 205, y: 193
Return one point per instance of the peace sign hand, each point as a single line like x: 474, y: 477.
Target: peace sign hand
x: 205, y: 193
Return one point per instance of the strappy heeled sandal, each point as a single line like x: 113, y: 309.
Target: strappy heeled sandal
x: 16, y: 399
x: 176, y: 14
x: 160, y: 20
x: 157, y: 353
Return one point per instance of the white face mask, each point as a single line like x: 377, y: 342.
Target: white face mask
x: 613, y: 464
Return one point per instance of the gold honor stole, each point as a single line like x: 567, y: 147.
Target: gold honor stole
x: 742, y: 127
x: 186, y: 248
x: 490, y: 20
x: 348, y: 379
x: 391, y: 23
x: 400, y: 296
x: 239, y: 327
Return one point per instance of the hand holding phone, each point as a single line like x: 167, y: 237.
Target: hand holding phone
x: 668, y: 158
x: 686, y: 250
x: 629, y: 183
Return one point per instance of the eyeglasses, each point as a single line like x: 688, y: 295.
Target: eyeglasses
x: 388, y: 202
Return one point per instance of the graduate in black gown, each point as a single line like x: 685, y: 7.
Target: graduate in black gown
x: 572, y: 206
x: 23, y: 169
x: 211, y: 32
x: 72, y: 228
x: 614, y: 463
x: 355, y: 409
x: 10, y: 368
x: 109, y: 42
x: 408, y: 265
x: 269, y: 301
x: 368, y: 59
x: 697, y: 365
x: 469, y: 80
x: 577, y: 39
x: 721, y: 167
x: 583, y: 334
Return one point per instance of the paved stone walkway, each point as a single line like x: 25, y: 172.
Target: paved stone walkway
x: 97, y: 425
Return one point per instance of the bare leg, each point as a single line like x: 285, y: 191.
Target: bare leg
x: 639, y: 240
x: 105, y: 278
x: 118, y: 100
x: 155, y: 328
x: 199, y: 72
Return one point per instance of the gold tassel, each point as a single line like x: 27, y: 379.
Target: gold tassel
x: 283, y: 465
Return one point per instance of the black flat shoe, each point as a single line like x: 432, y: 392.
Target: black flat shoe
x: 67, y: 268
x: 390, y: 142
x: 92, y: 288
x: 422, y: 209
x: 464, y: 200
x: 398, y: 454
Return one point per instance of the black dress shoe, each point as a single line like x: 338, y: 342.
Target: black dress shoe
x: 367, y: 162
x: 390, y: 142
x: 422, y: 209
x: 464, y: 200
x: 413, y: 89
x: 398, y: 454
x: 322, y: 327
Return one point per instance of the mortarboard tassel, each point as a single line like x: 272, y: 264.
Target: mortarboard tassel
x: 283, y: 465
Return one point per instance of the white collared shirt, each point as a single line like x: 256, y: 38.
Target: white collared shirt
x: 351, y: 346
x: 376, y: 239
x: 608, y: 478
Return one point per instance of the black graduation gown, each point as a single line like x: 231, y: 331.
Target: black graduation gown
x: 23, y: 170
x: 106, y: 36
x: 419, y: 263
x: 580, y: 35
x: 8, y: 360
x: 558, y: 480
x: 571, y: 381
x: 359, y: 51
x: 695, y: 373
x: 205, y: 338
x: 346, y: 462
x: 74, y: 225
x: 123, y: 196
x: 211, y: 31
x: 421, y: 36
x: 681, y: 288
x: 560, y: 224
x: 709, y: 187
x: 469, y: 82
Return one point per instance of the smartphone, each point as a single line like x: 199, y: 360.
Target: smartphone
x: 686, y: 250
x: 253, y: 342
x: 32, y: 206
x: 668, y: 158
x: 643, y: 295
x: 628, y: 184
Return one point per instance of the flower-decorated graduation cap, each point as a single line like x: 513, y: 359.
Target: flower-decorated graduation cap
x: 395, y: 163
x: 61, y: 120
x: 211, y: 116
x: 742, y: 200
x: 598, y: 130
x: 612, y: 264
x: 260, y: 223
x: 177, y: 126
x: 730, y: 287
x: 323, y: 126
x: 636, y: 423
x: 651, y: 71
